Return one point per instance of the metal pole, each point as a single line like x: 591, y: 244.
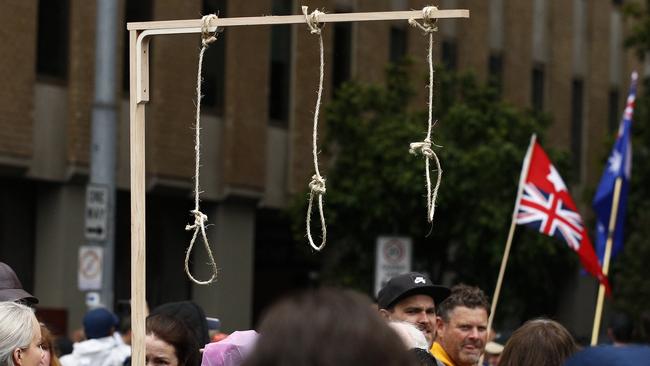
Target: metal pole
x: 104, y: 132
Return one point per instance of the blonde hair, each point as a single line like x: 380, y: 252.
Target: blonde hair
x: 15, y: 331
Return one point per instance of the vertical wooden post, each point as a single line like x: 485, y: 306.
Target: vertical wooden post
x: 138, y: 214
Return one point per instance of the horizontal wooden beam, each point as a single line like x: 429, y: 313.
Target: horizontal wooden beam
x: 194, y: 25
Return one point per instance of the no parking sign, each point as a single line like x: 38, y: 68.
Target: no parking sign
x: 393, y: 257
x: 91, y: 259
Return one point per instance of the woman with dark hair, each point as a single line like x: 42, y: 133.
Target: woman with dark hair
x: 169, y: 342
x: 539, y: 342
x: 327, y: 328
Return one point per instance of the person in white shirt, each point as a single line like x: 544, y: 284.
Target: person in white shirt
x: 100, y: 348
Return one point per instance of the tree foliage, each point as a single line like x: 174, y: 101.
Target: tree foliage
x: 375, y: 187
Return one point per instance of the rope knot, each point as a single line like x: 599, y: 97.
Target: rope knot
x: 312, y: 20
x: 317, y: 184
x: 428, y: 24
x: 199, y: 220
x: 206, y: 36
x: 423, y: 148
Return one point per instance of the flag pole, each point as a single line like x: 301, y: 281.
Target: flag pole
x: 513, y: 223
x: 606, y: 258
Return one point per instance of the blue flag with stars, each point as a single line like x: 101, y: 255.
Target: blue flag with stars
x: 619, y: 165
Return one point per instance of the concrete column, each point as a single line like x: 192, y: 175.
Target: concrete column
x: 232, y: 239
x: 560, y: 73
x: 59, y: 233
x: 473, y: 37
x: 517, y: 59
x: 371, y: 44
x: 577, y: 312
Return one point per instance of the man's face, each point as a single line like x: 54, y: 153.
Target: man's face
x: 464, y: 336
x: 418, y: 310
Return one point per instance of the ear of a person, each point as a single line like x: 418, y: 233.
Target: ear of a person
x: 18, y: 356
x: 440, y: 324
x: 384, y: 313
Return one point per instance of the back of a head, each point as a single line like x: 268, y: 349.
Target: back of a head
x: 539, y: 342
x: 17, y: 330
x: 99, y: 323
x: 191, y: 314
x: 621, y: 327
x: 175, y: 332
x: 327, y: 327
x: 11, y: 289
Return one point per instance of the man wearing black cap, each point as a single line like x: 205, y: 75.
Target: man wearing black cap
x: 11, y: 289
x: 412, y: 297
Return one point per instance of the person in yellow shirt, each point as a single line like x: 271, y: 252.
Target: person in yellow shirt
x: 462, y: 327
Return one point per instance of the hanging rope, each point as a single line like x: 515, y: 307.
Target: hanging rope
x: 317, y: 184
x: 428, y: 25
x: 199, y: 217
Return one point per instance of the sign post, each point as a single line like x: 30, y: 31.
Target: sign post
x: 393, y: 257
x: 96, y: 223
x: 91, y: 260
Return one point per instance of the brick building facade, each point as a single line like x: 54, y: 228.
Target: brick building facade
x: 562, y: 57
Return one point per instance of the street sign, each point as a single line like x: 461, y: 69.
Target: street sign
x: 93, y: 300
x: 393, y: 257
x: 96, y: 223
x: 91, y: 260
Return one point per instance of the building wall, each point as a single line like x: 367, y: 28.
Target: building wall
x: 247, y: 162
x: 17, y: 78
x: 80, y: 82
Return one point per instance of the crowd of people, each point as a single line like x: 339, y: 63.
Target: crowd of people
x: 413, y: 322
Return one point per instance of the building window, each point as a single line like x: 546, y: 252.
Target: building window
x: 614, y: 116
x: 135, y: 11
x: 213, y: 87
x: 537, y: 92
x: 342, y: 58
x: 398, y: 45
x: 577, y: 114
x: 52, y: 48
x: 495, y: 68
x: 449, y: 55
x: 280, y: 66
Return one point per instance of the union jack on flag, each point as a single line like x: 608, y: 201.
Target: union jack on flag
x: 545, y: 204
x: 547, y: 213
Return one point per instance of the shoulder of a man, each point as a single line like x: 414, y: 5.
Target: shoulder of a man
x: 441, y: 355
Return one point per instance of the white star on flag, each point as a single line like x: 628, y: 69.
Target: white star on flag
x: 555, y: 178
x: 615, y: 162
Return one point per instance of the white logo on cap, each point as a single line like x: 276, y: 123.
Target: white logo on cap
x: 419, y: 279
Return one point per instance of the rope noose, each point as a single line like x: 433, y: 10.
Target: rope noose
x: 199, y: 217
x: 428, y: 26
x: 317, y: 185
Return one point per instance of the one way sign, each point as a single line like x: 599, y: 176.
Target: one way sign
x: 96, y: 212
